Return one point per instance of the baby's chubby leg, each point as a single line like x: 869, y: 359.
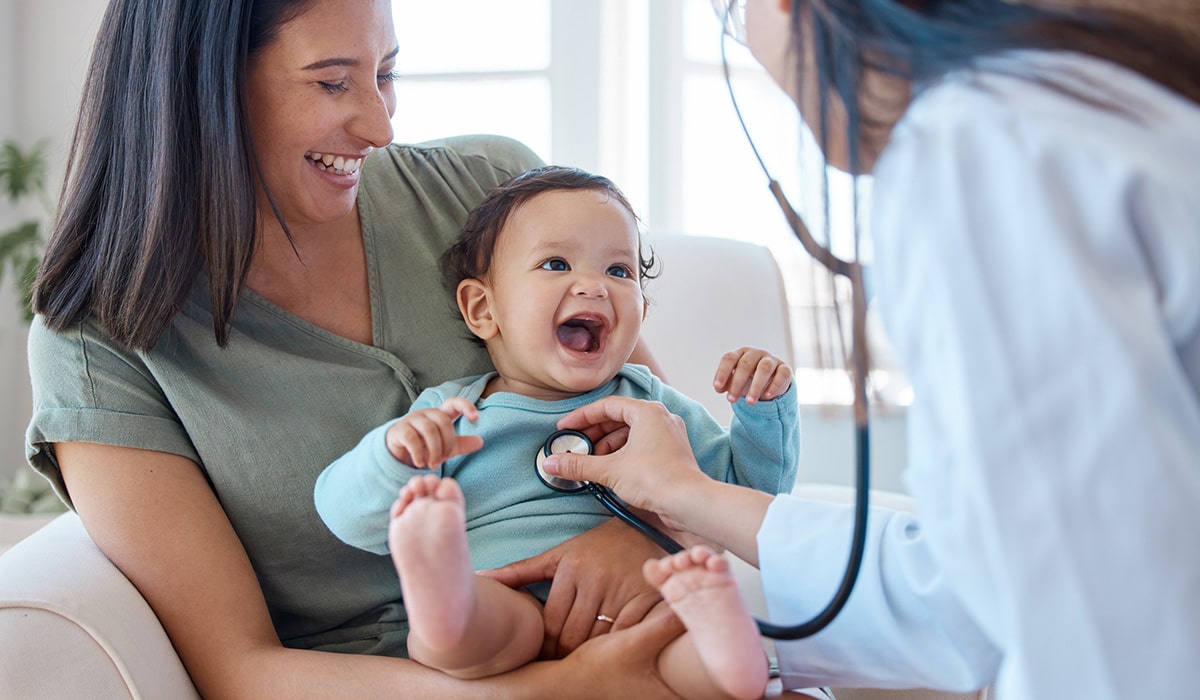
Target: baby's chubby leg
x: 700, y: 588
x: 465, y: 625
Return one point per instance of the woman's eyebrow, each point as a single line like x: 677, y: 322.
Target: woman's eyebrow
x: 345, y: 61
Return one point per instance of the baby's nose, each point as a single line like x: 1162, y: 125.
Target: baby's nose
x: 591, y: 286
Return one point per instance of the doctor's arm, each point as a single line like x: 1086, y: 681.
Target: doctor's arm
x: 885, y: 636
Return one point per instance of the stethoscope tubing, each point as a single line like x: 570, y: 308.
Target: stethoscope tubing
x: 852, y: 270
x: 779, y: 632
x: 617, y: 508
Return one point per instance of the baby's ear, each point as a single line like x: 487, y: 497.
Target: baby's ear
x: 475, y: 304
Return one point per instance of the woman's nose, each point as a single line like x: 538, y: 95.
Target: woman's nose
x: 372, y: 121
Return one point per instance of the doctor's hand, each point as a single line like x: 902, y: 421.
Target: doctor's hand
x: 596, y: 573
x: 426, y: 438
x: 752, y: 373
x: 652, y: 467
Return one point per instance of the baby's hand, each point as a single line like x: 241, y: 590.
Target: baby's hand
x: 426, y: 438
x: 753, y: 373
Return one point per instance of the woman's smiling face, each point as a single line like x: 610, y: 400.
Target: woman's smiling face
x: 320, y: 97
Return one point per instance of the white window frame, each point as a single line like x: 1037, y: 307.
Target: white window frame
x: 616, y: 81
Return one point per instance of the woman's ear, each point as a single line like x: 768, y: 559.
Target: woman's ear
x: 474, y: 302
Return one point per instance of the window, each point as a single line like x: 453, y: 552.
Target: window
x: 634, y: 90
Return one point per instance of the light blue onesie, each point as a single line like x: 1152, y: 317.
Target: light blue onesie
x: 510, y: 514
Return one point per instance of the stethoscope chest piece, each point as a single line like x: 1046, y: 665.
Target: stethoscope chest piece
x: 558, y: 443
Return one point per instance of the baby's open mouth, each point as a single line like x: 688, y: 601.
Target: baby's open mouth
x: 581, y: 334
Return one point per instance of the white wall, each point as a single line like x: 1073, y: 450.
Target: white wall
x: 44, y: 47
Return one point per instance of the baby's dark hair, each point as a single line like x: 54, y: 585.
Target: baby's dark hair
x: 471, y: 255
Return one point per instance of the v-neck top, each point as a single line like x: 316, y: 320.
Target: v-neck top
x: 265, y: 414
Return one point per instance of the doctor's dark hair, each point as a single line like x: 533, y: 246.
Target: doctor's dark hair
x: 471, y: 255
x: 922, y: 40
x: 161, y: 177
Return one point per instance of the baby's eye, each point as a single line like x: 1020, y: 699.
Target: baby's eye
x: 622, y: 271
x: 556, y: 265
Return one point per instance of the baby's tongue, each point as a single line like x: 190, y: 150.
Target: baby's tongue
x: 575, y: 337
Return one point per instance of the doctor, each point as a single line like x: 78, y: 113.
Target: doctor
x: 1036, y: 225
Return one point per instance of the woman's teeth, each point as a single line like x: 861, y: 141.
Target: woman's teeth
x: 338, y: 164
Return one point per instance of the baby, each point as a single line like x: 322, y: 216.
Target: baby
x: 548, y: 273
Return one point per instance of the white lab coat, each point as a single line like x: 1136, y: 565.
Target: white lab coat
x: 1038, y: 271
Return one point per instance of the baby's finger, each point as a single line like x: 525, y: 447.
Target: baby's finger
x: 725, y: 368
x: 432, y: 440
x: 781, y: 381
x: 743, y: 374
x: 761, y: 381
x: 466, y: 444
x: 456, y: 406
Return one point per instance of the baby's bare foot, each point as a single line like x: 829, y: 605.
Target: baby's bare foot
x: 702, y: 591
x: 428, y: 541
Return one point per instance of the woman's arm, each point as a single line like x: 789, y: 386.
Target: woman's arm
x: 642, y: 356
x: 154, y: 515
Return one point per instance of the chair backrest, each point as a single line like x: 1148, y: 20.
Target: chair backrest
x: 713, y: 295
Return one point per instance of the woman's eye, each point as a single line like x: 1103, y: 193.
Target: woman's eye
x: 619, y: 271
x: 556, y: 265
x: 332, y: 87
x: 388, y: 77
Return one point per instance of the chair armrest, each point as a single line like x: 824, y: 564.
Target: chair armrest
x: 71, y: 625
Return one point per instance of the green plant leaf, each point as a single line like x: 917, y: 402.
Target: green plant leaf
x: 28, y: 273
x: 21, y: 172
x: 17, y: 245
x: 18, y: 239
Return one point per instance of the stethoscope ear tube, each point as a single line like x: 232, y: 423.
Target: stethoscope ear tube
x: 858, y: 545
x: 574, y: 441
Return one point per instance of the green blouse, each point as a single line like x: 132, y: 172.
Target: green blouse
x: 264, y: 415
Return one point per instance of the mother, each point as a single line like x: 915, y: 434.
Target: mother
x: 242, y: 280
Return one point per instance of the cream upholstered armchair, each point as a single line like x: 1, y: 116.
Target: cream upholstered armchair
x: 72, y: 626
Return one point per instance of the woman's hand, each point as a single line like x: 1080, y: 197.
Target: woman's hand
x: 622, y: 665
x: 596, y: 573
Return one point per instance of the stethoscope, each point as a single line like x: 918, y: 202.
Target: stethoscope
x: 575, y: 441
x: 578, y: 443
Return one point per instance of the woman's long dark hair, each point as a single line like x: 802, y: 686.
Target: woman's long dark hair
x: 160, y: 181
x: 921, y: 40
